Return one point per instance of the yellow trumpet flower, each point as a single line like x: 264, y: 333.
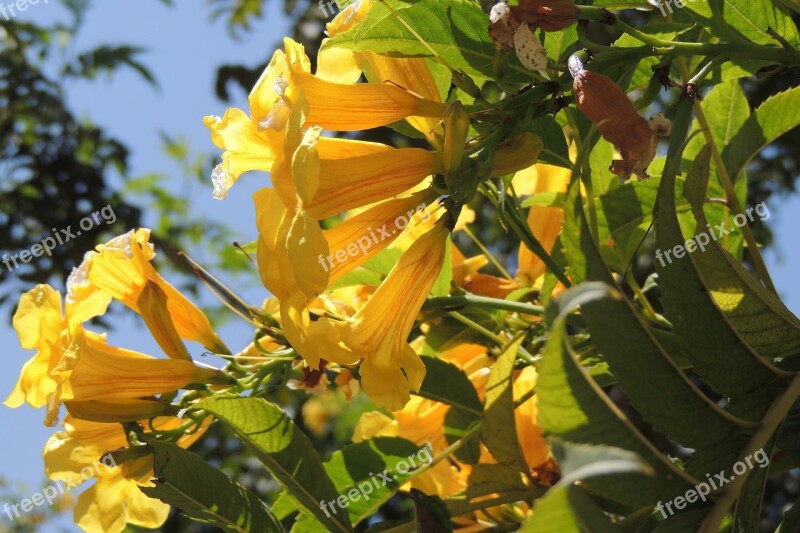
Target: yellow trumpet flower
x: 254, y: 142
x: 345, y: 66
x: 79, y: 453
x: 422, y: 421
x: 122, y: 269
x: 545, y: 222
x: 72, y: 364
x: 378, y: 332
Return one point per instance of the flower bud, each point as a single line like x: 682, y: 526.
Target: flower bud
x: 456, y: 129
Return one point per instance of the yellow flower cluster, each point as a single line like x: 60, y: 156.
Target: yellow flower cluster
x: 102, y: 385
x: 315, y: 177
x: 326, y: 194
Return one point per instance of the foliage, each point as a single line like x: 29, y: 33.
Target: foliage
x: 564, y: 397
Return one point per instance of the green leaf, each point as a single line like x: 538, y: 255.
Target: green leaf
x: 431, y: 513
x: 726, y: 110
x: 710, y: 341
x: 743, y: 20
x: 618, y: 331
x: 567, y: 509
x: 776, y: 116
x: 456, y: 30
x: 487, y: 479
x: 559, y: 43
x: 574, y: 408
x: 457, y: 422
x: 578, y: 462
x: 757, y: 315
x: 205, y: 494
x: 751, y: 18
x: 747, y: 516
x: 544, y: 199
x: 554, y: 149
x: 789, y: 437
x: 625, y: 218
x: 368, y: 473
x: 285, y: 451
x: 498, y: 425
x: 448, y: 384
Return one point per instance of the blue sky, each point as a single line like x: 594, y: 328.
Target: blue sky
x: 186, y: 47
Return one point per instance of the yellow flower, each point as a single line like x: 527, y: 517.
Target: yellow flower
x: 40, y: 325
x: 529, y: 432
x: 254, y: 142
x: 422, y: 421
x: 378, y: 332
x: 94, y: 370
x: 545, y: 222
x: 122, y: 269
x: 72, y: 364
x: 356, y: 240
x: 345, y: 66
x: 79, y: 453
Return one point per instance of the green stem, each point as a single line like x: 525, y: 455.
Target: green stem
x: 512, y: 219
x: 459, y: 508
x: 486, y: 252
x: 773, y: 418
x: 460, y: 301
x: 730, y: 193
x: 779, y: 55
x: 490, y: 335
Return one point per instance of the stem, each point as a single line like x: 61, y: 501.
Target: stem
x: 730, y: 193
x: 649, y: 312
x: 460, y: 301
x: 773, y: 418
x: 459, y: 508
x: 698, y: 78
x: 486, y: 252
x: 477, y: 327
x: 523, y: 231
x: 783, y: 56
x: 490, y: 335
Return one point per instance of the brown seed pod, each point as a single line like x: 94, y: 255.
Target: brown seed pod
x: 607, y: 106
x: 549, y: 15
